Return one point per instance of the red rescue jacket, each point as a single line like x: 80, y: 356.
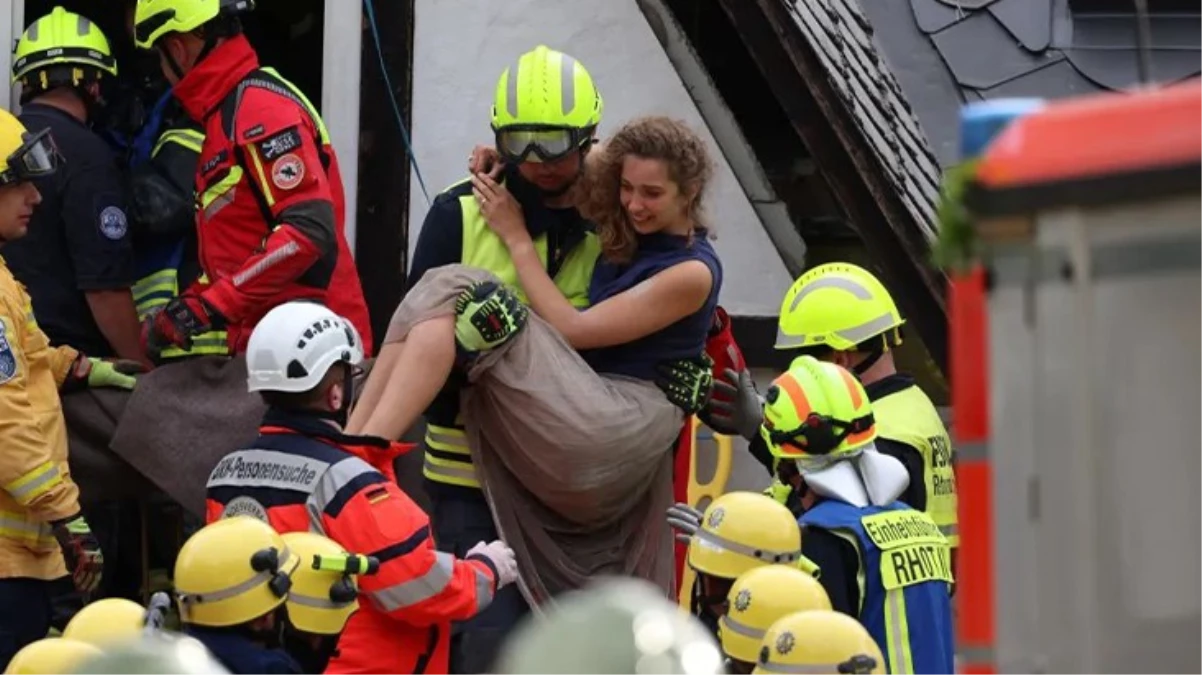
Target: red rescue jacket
x: 271, y: 208
x: 303, y: 475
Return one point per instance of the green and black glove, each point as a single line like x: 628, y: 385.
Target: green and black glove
x: 688, y: 383
x: 487, y: 315
x: 92, y: 373
x: 81, y: 552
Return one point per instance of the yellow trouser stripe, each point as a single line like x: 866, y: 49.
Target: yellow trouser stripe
x: 43, y: 478
x: 443, y: 470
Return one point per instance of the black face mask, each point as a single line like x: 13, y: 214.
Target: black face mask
x: 312, y: 652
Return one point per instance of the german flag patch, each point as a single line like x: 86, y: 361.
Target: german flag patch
x: 377, y: 495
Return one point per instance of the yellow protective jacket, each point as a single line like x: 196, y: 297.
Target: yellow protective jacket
x: 34, y: 477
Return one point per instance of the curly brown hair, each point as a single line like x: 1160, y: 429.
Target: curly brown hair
x: 668, y: 140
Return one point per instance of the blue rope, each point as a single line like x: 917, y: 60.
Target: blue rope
x: 400, y: 120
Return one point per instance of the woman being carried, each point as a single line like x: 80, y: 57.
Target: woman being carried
x: 584, y: 438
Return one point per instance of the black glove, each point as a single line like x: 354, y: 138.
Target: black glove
x: 740, y: 411
x: 81, y: 552
x: 688, y: 383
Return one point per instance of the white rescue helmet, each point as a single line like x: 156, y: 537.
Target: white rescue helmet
x: 295, y: 344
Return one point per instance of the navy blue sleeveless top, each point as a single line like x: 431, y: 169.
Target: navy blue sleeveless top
x: 683, y: 339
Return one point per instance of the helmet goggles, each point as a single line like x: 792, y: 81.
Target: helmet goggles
x: 540, y: 143
x: 36, y: 157
x: 817, y: 435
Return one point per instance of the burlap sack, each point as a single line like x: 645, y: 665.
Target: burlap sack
x: 577, y: 467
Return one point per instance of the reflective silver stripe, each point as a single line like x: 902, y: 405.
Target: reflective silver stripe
x: 840, y: 283
x: 34, y: 530
x: 317, y: 603
x: 867, y: 329
x: 50, y: 475
x: 274, y: 258
x: 220, y: 202
x: 409, y: 593
x: 511, y: 89
x: 970, y: 452
x: 484, y: 594
x: 801, y: 668
x: 189, y: 598
x: 952, y: 530
x: 743, y: 629
x: 708, y: 537
x: 898, y: 636
x: 336, y: 478
x: 567, y: 83
x: 82, y: 25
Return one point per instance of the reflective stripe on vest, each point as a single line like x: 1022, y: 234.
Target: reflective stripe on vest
x: 448, y: 458
x: 189, y: 138
x: 904, y: 573
x: 484, y: 249
x: 152, y: 293
x: 909, y: 417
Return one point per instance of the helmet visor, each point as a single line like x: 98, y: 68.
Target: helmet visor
x: 539, y: 144
x: 36, y: 157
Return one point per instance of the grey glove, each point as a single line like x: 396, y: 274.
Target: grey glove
x: 502, y: 558
x: 686, y: 520
x: 741, y: 410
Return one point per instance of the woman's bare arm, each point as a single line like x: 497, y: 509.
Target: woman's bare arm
x: 650, y: 306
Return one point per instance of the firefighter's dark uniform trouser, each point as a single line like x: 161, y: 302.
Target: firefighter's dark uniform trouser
x: 24, y: 614
x: 459, y: 524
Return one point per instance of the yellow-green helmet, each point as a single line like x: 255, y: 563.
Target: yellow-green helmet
x: 757, y: 599
x: 155, y: 18
x: 232, y: 571
x: 838, y: 305
x: 816, y: 409
x: 61, y: 48
x: 741, y: 531
x: 545, y: 104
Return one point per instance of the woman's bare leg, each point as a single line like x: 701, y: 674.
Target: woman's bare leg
x: 373, y: 387
x: 414, y: 374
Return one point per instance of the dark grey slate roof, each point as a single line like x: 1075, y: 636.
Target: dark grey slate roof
x: 842, y: 36
x: 945, y: 52
x: 904, y: 67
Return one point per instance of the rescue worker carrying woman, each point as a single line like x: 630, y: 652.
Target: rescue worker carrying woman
x: 882, y: 561
x: 303, y: 474
x: 40, y: 519
x: 271, y: 200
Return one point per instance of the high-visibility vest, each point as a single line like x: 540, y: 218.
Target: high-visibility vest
x: 447, y: 457
x: 905, y: 573
x: 909, y: 417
